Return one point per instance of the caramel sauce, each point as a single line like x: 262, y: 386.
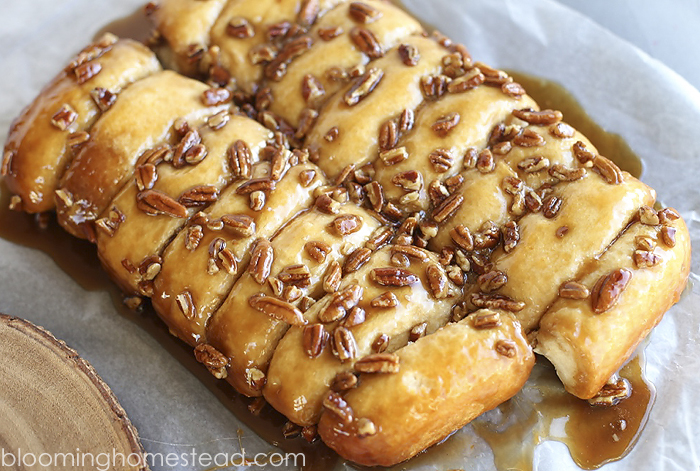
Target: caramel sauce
x: 545, y: 411
x: 551, y: 95
x: 593, y: 435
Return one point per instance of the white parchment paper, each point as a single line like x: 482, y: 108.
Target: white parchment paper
x: 624, y: 90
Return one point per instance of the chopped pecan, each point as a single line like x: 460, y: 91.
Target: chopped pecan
x: 610, y: 172
x: 646, y: 259
x: 444, y: 125
x: 215, y: 361
x: 317, y: 250
x: 513, y: 89
x: 507, y: 348
x: 441, y: 160
x: 86, y: 71
x: 240, y: 28
x: 561, y: 130
x: 616, y: 390
x: 409, y: 54
x: 511, y: 236
x: 648, y: 216
x: 355, y: 316
x: 385, y: 300
x: 64, y: 117
x: 533, y: 164
x: 185, y: 302
x: 330, y: 32
x: 257, y: 184
x: 528, y: 138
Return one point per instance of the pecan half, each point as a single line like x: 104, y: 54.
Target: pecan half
x: 608, y: 289
x: 385, y: 300
x: 366, y: 42
x: 448, y: 207
x: 240, y: 159
x: 153, y: 202
x: 391, y: 276
x: 363, y: 86
x: 437, y: 281
x: 544, y: 117
x: 315, y: 339
x: 347, y: 224
x: 278, y: 309
x: 344, y: 344
x: 199, y: 196
x: 356, y: 259
x: 378, y: 363
x: 486, y: 319
x: 261, y: 261
x: 496, y: 301
x: 363, y: 13
x: 573, y: 290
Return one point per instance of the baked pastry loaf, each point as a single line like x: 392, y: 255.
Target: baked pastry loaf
x: 43, y: 139
x: 350, y: 217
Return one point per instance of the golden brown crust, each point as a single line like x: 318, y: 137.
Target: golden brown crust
x: 594, y: 213
x: 297, y: 383
x: 587, y: 347
x: 249, y: 336
x: 339, y: 53
x: 208, y: 288
x: 443, y: 382
x: 41, y: 150
x: 129, y: 235
x: 140, y: 121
